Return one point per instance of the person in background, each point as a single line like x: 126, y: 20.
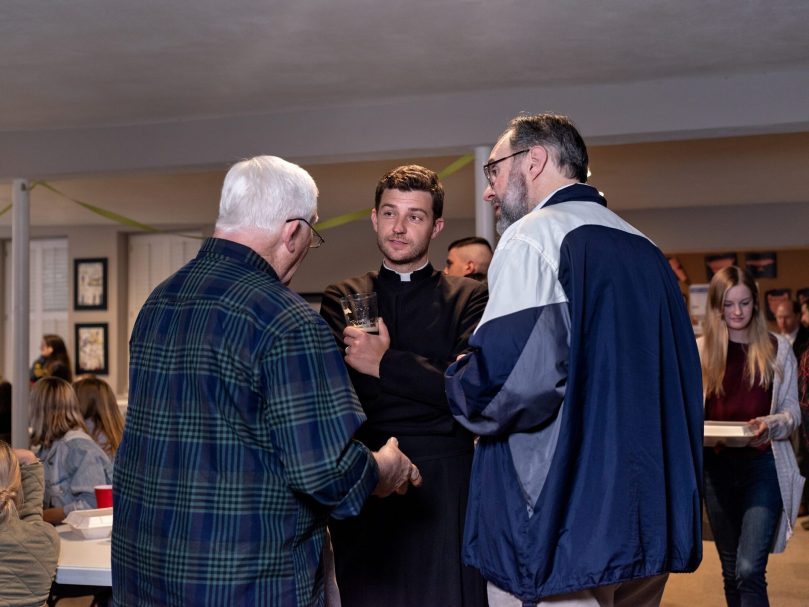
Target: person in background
x: 583, y: 383
x: 74, y: 463
x: 751, y: 493
x: 787, y: 317
x: 29, y: 547
x: 805, y: 314
x: 469, y: 257
x: 238, y: 438
x: 53, y: 360
x: 406, y: 551
x: 803, y: 401
x: 99, y: 407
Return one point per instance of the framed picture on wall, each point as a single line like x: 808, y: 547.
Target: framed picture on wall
x: 715, y: 262
x: 90, y: 284
x: 92, y: 351
x: 761, y: 265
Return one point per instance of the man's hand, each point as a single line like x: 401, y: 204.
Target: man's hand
x: 364, y: 351
x: 396, y: 471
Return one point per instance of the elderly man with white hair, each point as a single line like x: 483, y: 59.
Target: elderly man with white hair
x: 238, y: 443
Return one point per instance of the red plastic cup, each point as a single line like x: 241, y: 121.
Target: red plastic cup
x: 103, y: 496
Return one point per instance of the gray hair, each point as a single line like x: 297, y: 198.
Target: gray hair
x: 556, y: 132
x: 263, y: 192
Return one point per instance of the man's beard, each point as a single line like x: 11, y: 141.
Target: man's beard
x: 402, y: 258
x: 514, y: 205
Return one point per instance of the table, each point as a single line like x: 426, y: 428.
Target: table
x: 83, y: 562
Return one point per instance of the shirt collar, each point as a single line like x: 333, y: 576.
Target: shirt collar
x: 417, y: 274
x: 573, y: 191
x: 238, y: 252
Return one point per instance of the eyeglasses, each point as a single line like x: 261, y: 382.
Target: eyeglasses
x: 317, y: 239
x: 491, y: 175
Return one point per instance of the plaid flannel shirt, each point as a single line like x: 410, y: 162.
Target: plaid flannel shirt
x: 238, y: 441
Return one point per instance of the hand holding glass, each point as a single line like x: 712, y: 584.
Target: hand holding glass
x: 360, y: 310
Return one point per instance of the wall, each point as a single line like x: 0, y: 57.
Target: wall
x: 85, y: 242
x: 792, y: 269
x: 351, y: 250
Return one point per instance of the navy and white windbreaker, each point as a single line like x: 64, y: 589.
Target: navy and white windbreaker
x: 585, y: 386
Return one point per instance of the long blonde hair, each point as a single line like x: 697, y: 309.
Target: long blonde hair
x: 97, y: 403
x: 10, y: 482
x: 54, y: 411
x: 760, y: 351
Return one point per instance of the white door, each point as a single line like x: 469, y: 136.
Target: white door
x: 152, y: 259
x: 48, y: 293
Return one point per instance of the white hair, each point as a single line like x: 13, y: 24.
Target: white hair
x: 263, y: 192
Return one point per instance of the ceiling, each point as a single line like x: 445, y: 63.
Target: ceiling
x: 102, y: 65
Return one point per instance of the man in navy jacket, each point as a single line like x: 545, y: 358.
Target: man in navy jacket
x: 584, y: 385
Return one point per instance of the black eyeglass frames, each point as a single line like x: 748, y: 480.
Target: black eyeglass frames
x: 487, y: 168
x: 317, y: 239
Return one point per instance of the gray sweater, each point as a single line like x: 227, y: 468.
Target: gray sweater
x: 29, y: 547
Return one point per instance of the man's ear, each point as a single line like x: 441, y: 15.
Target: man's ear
x: 373, y: 219
x: 438, y: 225
x: 537, y: 161
x: 289, y: 233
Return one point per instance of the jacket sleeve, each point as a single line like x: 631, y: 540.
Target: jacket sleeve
x: 33, y: 491
x: 87, y: 468
x: 313, y: 413
x: 786, y: 414
x: 514, y: 379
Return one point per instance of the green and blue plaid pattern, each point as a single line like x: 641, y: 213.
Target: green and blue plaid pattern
x: 238, y: 441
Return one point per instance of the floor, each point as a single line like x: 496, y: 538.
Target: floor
x: 786, y: 575
x: 787, y: 579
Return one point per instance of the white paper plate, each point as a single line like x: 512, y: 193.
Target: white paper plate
x: 730, y: 434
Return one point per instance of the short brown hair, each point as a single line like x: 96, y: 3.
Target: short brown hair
x: 409, y: 178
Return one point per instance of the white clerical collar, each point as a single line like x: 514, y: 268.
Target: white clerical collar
x: 404, y: 276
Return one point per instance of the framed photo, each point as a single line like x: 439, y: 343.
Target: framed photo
x: 90, y: 284
x: 714, y: 263
x: 761, y: 265
x: 92, y: 351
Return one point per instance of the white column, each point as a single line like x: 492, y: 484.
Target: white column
x: 484, y: 215
x: 20, y: 216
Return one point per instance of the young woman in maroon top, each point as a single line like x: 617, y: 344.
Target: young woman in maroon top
x: 740, y: 371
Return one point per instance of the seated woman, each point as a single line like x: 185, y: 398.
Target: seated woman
x: 29, y: 547
x: 100, y: 411
x: 74, y: 463
x: 53, y: 359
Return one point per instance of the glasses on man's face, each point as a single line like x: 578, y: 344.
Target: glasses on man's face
x: 317, y: 239
x: 490, y: 168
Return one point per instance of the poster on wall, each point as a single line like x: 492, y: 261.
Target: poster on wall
x: 717, y: 261
x: 90, y: 284
x: 761, y: 265
x: 697, y: 306
x: 92, y: 349
x: 773, y: 297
